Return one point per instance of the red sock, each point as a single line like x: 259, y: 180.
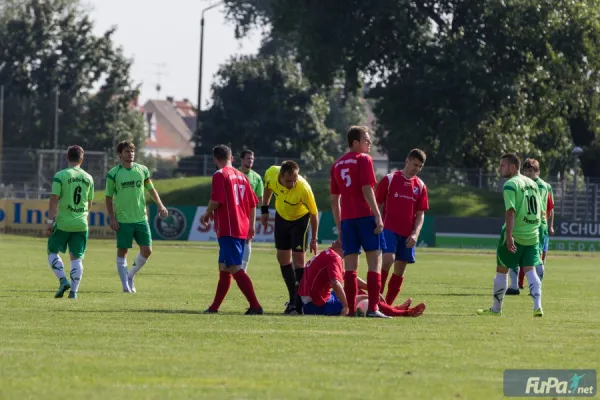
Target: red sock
x: 393, y: 288
x: 373, y: 286
x: 521, y: 277
x: 384, y: 276
x: 245, y: 284
x: 222, y: 289
x: 390, y: 311
x: 350, y: 289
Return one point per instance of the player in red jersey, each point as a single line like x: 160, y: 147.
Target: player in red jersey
x: 358, y: 219
x: 324, y: 272
x: 233, y: 203
x: 403, y: 197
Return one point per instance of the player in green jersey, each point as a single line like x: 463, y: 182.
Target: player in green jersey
x: 258, y: 188
x: 519, y: 239
x: 531, y: 169
x: 72, y: 195
x: 126, y: 207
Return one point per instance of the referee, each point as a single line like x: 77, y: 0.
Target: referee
x: 295, y: 208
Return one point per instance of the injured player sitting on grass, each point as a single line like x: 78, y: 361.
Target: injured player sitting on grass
x: 322, y: 292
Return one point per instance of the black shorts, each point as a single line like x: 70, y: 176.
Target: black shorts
x: 291, y: 235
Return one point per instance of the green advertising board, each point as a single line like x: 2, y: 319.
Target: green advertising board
x: 557, y: 243
x: 176, y: 226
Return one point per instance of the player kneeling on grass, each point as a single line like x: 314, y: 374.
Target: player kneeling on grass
x: 126, y: 208
x: 325, y: 272
x: 232, y: 206
x: 72, y: 194
x: 520, y: 235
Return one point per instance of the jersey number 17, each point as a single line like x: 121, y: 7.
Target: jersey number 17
x: 239, y: 191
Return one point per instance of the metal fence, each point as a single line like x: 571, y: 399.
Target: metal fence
x: 27, y: 173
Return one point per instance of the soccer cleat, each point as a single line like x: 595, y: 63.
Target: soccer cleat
x: 131, y: 285
x: 376, y: 314
x: 417, y: 310
x: 405, y: 305
x: 290, y: 309
x: 72, y: 295
x: 64, y: 286
x: 521, y: 287
x: 513, y: 292
x: 255, y: 311
x: 209, y: 311
x: 489, y: 312
x: 538, y: 313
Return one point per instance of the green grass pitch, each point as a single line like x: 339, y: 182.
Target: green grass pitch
x: 156, y: 344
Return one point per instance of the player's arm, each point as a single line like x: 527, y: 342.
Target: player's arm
x: 368, y: 181
x: 509, y: 192
x: 362, y: 284
x: 550, y: 213
x: 311, y: 204
x: 336, y: 210
x: 260, y: 190
x: 338, y: 289
x: 149, y: 186
x: 109, y: 192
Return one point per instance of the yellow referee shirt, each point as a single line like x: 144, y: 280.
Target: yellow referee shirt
x: 291, y: 204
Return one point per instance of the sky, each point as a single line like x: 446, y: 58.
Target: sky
x: 163, y: 37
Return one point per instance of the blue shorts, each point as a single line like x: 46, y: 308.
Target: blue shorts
x: 231, y: 251
x: 332, y: 307
x: 357, y: 233
x: 397, y: 244
x: 545, y: 243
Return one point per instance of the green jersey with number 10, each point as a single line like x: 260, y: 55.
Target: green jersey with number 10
x: 75, y: 188
x: 522, y: 195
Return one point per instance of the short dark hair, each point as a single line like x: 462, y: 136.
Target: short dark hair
x: 221, y: 152
x: 354, y: 133
x: 125, y: 144
x: 532, y: 163
x: 289, y: 166
x: 74, y: 153
x: 417, y: 154
x: 244, y: 153
x: 513, y: 159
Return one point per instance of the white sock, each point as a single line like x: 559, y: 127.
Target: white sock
x: 247, y: 254
x: 122, y: 270
x: 76, y: 274
x: 57, y: 265
x: 514, y: 278
x: 535, y: 288
x: 500, y: 286
x: 539, y: 269
x: 139, y: 262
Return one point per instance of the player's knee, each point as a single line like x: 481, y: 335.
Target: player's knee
x: 146, y: 252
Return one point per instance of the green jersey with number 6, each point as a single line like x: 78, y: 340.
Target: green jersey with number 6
x: 75, y: 188
x: 522, y: 195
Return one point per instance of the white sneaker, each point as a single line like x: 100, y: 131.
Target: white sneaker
x: 131, y: 285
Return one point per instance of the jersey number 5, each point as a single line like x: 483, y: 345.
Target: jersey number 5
x: 77, y: 195
x: 347, y: 179
x: 239, y: 191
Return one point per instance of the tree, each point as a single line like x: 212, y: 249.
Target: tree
x: 450, y: 76
x: 49, y: 45
x: 265, y: 104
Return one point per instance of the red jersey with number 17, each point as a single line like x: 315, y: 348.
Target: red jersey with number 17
x: 348, y: 175
x: 231, y: 189
x: 402, y: 198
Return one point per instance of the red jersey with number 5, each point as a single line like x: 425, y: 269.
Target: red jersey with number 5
x: 231, y: 189
x: 348, y: 175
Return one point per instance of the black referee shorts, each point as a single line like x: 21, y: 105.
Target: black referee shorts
x: 291, y: 235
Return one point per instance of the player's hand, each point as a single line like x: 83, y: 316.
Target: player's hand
x: 264, y: 220
x: 314, y: 246
x: 379, y: 223
x: 345, y: 311
x: 411, y: 241
x: 551, y: 231
x: 114, y: 225
x: 162, y: 212
x: 510, y: 244
x: 49, y: 229
x: 381, y: 298
x: 251, y: 232
x: 205, y: 219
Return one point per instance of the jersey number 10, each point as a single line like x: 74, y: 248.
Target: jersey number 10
x: 532, y: 206
x: 239, y: 191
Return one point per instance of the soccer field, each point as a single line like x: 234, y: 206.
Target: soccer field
x: 156, y: 345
